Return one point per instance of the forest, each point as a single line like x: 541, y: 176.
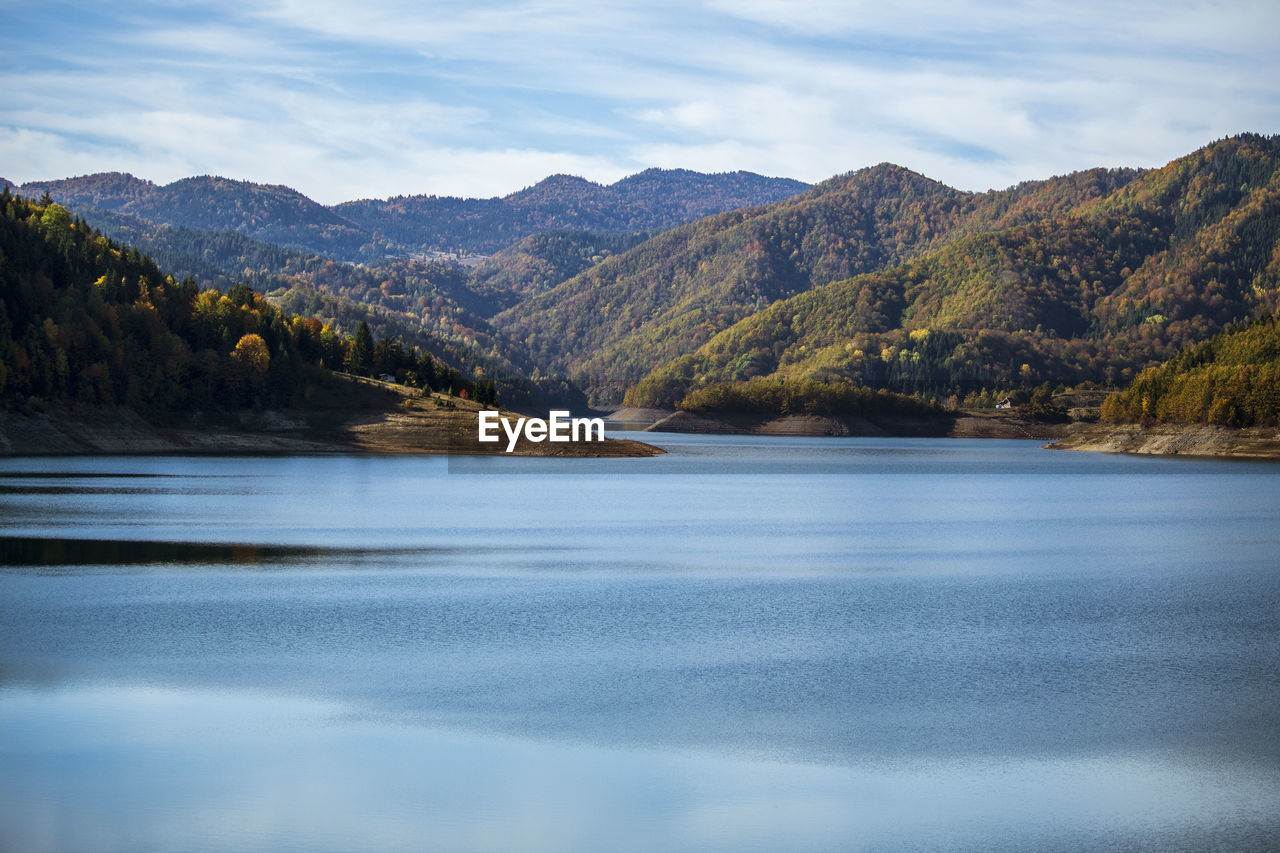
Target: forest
x: 1232, y: 379
x: 83, y: 319
x: 806, y: 397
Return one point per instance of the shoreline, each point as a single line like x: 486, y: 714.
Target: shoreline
x: 1082, y: 432
x: 439, y: 425
x: 1193, y: 440
x: 362, y: 419
x: 964, y: 424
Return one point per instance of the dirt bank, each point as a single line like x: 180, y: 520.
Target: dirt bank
x: 352, y: 417
x: 966, y: 424
x: 1173, y: 440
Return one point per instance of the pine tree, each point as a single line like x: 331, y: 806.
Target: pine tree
x: 360, y: 358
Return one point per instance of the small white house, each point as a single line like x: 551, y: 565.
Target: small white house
x: 1006, y: 403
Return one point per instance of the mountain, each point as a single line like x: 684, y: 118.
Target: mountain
x: 82, y: 320
x: 371, y: 230
x: 103, y: 191
x: 222, y: 232
x: 879, y: 277
x: 615, y: 322
x: 213, y: 258
x: 1093, y: 291
x: 426, y: 304
x: 270, y: 213
x: 650, y: 200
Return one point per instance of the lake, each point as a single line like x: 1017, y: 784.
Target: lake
x: 748, y: 644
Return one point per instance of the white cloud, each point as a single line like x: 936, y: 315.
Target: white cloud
x: 345, y: 100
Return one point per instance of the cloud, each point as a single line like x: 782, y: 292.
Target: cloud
x: 345, y: 100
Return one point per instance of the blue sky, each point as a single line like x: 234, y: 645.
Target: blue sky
x: 351, y: 100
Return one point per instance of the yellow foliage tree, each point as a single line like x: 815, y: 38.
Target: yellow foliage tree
x: 251, y: 351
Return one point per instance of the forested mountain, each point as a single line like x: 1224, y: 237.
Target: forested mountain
x: 650, y: 200
x: 220, y: 232
x: 83, y: 320
x: 213, y: 258
x: 614, y: 322
x: 372, y: 230
x: 427, y: 304
x: 1091, y: 292
x: 275, y: 214
x: 1232, y: 379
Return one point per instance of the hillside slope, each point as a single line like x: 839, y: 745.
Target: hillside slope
x: 616, y: 321
x: 1093, y: 292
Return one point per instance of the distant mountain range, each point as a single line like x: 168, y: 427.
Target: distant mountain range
x: 669, y: 283
x: 372, y: 230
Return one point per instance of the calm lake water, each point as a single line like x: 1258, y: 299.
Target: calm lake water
x: 750, y: 644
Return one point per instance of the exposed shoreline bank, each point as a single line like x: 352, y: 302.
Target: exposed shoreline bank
x: 360, y: 418
x: 968, y: 424
x: 442, y: 426
x: 1088, y: 435
x: 1173, y: 440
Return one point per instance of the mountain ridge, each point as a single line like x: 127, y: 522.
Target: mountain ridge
x: 399, y: 226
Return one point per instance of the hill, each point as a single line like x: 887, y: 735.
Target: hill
x: 271, y: 213
x: 301, y: 254
x: 1093, y: 291
x: 425, y: 304
x: 82, y: 319
x: 613, y: 323
x: 541, y: 261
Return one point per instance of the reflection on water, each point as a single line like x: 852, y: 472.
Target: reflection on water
x: 230, y: 771
x: 964, y: 645
x: 47, y: 551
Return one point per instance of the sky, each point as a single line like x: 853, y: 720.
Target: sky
x: 345, y: 100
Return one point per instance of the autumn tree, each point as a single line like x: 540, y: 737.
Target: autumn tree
x: 252, y: 354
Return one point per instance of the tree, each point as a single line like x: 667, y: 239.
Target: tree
x: 252, y: 353
x: 56, y: 220
x: 360, y: 357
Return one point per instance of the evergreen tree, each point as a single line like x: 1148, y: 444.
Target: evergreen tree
x: 360, y: 358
